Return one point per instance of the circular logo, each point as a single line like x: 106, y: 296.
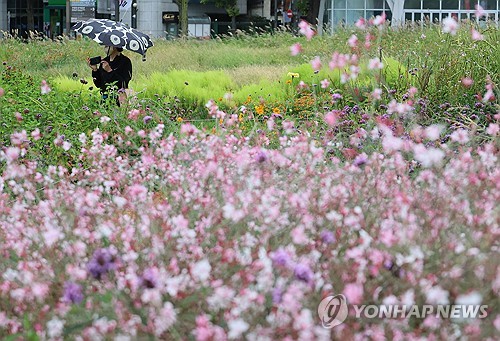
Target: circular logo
x: 332, y: 311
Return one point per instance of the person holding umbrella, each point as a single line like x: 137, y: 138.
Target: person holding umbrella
x: 116, y: 36
x: 112, y: 72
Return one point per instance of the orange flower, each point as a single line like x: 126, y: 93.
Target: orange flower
x: 276, y: 110
x: 259, y: 109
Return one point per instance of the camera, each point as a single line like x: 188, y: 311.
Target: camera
x: 95, y: 60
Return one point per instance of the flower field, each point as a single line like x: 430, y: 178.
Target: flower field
x: 163, y: 229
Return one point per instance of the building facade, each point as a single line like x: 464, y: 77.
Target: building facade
x: 159, y: 18
x: 340, y: 12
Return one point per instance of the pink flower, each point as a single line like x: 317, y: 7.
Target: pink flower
x: 288, y: 126
x: 361, y: 23
x: 479, y: 11
x: 432, y: 132
x: 12, y: 154
x: 391, y: 143
x: 379, y: 20
x: 36, y: 134
x: 476, y: 35
x: 295, y: 49
x: 325, y: 83
x: 128, y: 130
x: 165, y: 319
x: 460, y: 135
x: 18, y: 138
x: 133, y: 114
x: 298, y: 236
x: 489, y: 96
x: 353, y: 41
x: 353, y: 293
x: 450, y: 25
x: 331, y: 118
x: 375, y: 64
x: 45, y: 88
x: 467, y: 82
x: 368, y: 40
x: 428, y: 156
x: 2, y: 92
x: 137, y: 192
x: 377, y: 94
x: 188, y: 129
x: 66, y: 145
x: 316, y: 63
x: 493, y: 129
x: 305, y: 29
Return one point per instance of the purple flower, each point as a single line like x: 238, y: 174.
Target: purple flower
x: 261, y: 157
x: 149, y: 279
x: 102, y: 262
x: 146, y: 119
x: 327, y: 237
x: 72, y: 292
x: 388, y: 264
x: 360, y: 160
x: 303, y: 273
x: 277, y: 295
x: 280, y: 257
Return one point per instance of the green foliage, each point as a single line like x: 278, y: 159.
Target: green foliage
x: 196, y: 87
x: 266, y: 90
x: 231, y: 6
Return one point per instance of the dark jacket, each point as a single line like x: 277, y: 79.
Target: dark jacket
x: 120, y: 76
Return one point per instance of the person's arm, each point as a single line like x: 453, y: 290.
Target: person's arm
x: 120, y: 74
x: 96, y: 75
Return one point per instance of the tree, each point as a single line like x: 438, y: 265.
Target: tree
x: 310, y: 10
x: 397, y: 9
x: 30, y: 5
x: 183, y: 16
x: 231, y: 7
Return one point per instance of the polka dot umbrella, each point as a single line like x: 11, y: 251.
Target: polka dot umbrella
x: 111, y: 33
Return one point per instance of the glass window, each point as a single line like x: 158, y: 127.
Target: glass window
x: 450, y: 4
x: 340, y: 4
x: 431, y: 4
x: 412, y: 4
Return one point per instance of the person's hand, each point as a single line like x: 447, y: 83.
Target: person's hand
x: 105, y: 66
x: 93, y: 67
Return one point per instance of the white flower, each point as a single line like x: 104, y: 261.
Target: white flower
x: 428, y: 156
x: 437, y: 295
x: 66, y: 145
x: 55, y: 327
x: 432, y: 132
x: 450, y: 25
x: 460, y: 135
x: 236, y: 328
x: 105, y: 119
x: 472, y: 298
x: 201, y: 270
